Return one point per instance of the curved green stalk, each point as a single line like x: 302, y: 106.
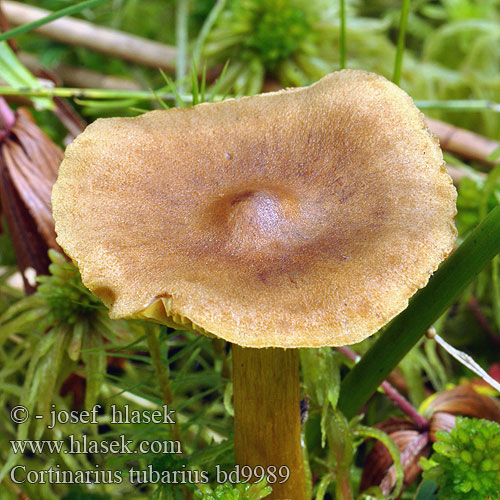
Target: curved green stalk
x: 424, y: 308
x: 459, y: 105
x: 80, y: 93
x: 398, y: 63
x: 207, y: 26
x: 342, y: 34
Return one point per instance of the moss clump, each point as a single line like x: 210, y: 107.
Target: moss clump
x: 68, y: 301
x: 278, y: 32
x: 241, y: 491
x: 466, y: 462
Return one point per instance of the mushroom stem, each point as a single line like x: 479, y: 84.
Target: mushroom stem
x: 267, y: 415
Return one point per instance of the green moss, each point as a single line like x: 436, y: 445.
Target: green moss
x: 67, y: 299
x: 241, y: 491
x: 466, y: 461
x: 278, y: 32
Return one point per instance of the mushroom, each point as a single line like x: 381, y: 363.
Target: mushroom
x: 300, y: 218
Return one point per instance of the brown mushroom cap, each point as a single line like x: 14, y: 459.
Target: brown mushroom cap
x: 300, y: 218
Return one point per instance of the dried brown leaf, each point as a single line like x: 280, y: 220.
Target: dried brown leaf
x: 441, y: 421
x: 378, y: 467
x: 29, y: 161
x: 412, y: 447
x: 464, y: 400
x: 32, y: 160
x: 29, y: 246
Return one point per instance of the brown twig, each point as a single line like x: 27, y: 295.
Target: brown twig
x: 4, y: 26
x: 15, y: 489
x: 74, y: 31
x: 457, y: 174
x: 404, y: 405
x: 463, y: 142
x: 80, y: 77
x: 393, y: 394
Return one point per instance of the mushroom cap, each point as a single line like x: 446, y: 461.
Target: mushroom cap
x: 301, y: 218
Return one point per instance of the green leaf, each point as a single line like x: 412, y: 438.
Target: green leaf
x: 340, y: 443
x: 426, y: 490
x: 495, y: 155
x: 95, y: 367
x: 321, y: 374
x: 15, y: 74
x: 322, y: 487
x: 228, y: 395
x: 212, y: 454
x: 49, y: 368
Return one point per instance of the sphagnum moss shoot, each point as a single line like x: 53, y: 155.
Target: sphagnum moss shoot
x: 466, y: 461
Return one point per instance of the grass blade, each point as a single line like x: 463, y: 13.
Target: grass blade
x: 398, y: 63
x: 205, y: 30
x: 424, y: 308
x: 342, y: 34
x: 67, y: 11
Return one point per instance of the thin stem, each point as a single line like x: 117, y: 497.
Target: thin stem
x: 67, y: 11
x: 207, y: 26
x: 392, y: 393
x: 343, y: 487
x: 220, y: 349
x: 398, y: 63
x: 424, y: 308
x: 15, y: 489
x: 147, y: 95
x: 79, y: 93
x: 82, y: 77
x: 69, y: 30
x: 404, y: 405
x: 483, y: 321
x: 459, y: 105
x: 161, y: 372
x: 463, y: 142
x: 342, y: 34
x: 465, y: 359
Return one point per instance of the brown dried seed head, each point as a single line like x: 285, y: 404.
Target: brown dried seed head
x: 304, y: 217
